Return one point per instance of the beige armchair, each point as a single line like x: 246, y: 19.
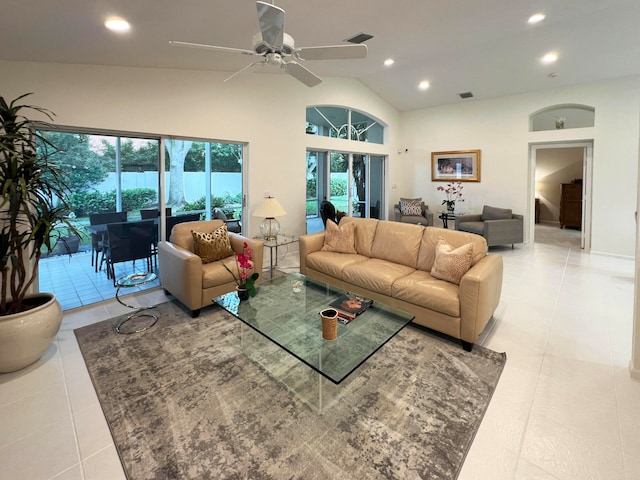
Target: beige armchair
x: 498, y: 226
x: 183, y: 274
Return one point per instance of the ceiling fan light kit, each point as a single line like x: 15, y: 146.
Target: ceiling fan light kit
x: 278, y: 48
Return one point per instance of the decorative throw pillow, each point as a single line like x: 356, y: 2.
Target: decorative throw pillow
x: 341, y: 238
x: 212, y: 246
x: 411, y: 206
x: 451, y: 264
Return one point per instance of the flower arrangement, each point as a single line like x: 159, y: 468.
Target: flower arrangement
x: 453, y: 190
x: 244, y: 263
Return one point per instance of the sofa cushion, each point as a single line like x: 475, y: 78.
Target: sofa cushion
x: 375, y: 274
x: 494, y: 213
x: 212, y: 246
x: 365, y: 232
x: 397, y: 243
x: 457, y: 239
x: 339, y: 238
x: 411, y: 206
x: 420, y: 288
x: 472, y: 227
x: 451, y: 263
x: 332, y: 263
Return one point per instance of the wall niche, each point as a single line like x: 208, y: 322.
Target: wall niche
x: 560, y: 117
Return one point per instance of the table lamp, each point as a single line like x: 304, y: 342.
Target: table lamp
x: 269, y: 208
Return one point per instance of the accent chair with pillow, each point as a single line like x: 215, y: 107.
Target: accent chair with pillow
x: 412, y: 210
x: 498, y: 226
x: 191, y: 262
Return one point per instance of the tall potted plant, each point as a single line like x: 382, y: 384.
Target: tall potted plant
x: 33, y: 202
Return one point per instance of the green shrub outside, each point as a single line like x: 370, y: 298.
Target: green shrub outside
x: 133, y: 199
x: 231, y: 205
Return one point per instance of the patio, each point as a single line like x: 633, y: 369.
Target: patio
x: 76, y: 283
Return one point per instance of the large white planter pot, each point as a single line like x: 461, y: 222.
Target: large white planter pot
x: 25, y: 336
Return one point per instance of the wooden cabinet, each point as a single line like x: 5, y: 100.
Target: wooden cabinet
x: 571, y: 205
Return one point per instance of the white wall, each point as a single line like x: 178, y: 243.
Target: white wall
x: 266, y: 111
x: 499, y: 128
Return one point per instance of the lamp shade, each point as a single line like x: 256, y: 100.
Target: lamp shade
x: 269, y: 208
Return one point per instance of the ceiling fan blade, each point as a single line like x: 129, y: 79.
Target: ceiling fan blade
x: 301, y: 73
x: 332, y: 52
x: 211, y: 47
x: 271, y: 19
x: 243, y: 69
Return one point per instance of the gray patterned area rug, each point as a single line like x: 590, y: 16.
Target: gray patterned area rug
x: 184, y: 400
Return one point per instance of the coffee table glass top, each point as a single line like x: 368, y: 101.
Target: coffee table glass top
x: 292, y: 320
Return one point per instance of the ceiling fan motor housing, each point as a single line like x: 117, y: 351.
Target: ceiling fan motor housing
x: 262, y: 48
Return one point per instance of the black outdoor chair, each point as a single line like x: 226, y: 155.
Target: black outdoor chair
x: 232, y: 225
x: 99, y: 240
x: 172, y: 221
x: 327, y: 211
x: 151, y: 213
x: 129, y: 241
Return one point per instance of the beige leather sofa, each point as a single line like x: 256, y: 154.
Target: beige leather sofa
x: 183, y: 274
x: 393, y: 264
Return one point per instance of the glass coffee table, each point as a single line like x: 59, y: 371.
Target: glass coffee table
x: 286, y: 312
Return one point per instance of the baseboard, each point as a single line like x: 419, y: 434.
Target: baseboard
x: 634, y: 372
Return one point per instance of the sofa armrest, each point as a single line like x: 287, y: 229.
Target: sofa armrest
x: 472, y: 217
x: 180, y: 273
x: 256, y: 246
x: 479, y: 292
x: 309, y: 244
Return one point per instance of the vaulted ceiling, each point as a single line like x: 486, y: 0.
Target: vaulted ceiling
x: 485, y: 47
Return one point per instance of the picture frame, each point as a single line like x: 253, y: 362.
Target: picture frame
x: 455, y: 165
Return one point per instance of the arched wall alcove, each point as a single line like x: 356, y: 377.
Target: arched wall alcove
x: 558, y: 117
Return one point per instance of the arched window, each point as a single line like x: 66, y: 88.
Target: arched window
x: 558, y: 117
x: 343, y: 122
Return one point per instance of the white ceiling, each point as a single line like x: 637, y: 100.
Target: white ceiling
x: 482, y: 46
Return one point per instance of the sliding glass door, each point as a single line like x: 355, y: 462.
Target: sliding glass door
x: 354, y: 183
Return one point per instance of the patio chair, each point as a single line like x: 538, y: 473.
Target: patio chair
x: 150, y: 213
x: 327, y: 212
x: 98, y: 240
x: 232, y: 225
x: 129, y: 241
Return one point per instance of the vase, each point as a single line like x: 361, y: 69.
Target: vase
x: 243, y: 293
x: 451, y: 207
x: 25, y: 336
x: 329, y: 324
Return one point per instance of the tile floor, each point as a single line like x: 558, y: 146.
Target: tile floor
x: 565, y: 407
x: 76, y: 283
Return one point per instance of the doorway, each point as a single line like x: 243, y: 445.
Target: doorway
x: 558, y: 167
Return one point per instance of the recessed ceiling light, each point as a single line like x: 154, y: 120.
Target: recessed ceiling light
x: 117, y: 24
x: 536, y: 18
x: 550, y: 57
x: 423, y: 85
x: 388, y: 62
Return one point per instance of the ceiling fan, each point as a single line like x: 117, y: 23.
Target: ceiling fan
x: 278, y: 48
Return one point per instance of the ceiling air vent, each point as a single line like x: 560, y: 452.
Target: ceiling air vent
x: 359, y: 38
x: 466, y: 95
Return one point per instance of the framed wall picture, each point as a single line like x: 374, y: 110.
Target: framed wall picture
x: 458, y: 165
